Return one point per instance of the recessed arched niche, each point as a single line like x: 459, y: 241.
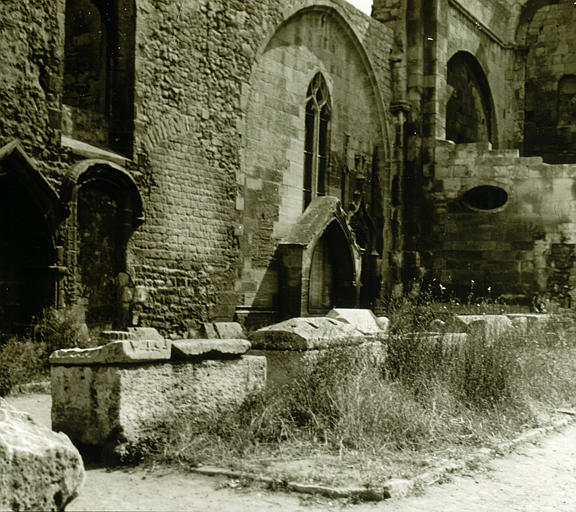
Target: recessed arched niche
x: 469, y: 111
x: 108, y: 208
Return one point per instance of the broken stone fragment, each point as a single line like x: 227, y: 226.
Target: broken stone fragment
x: 306, y: 334
x: 39, y: 469
x: 363, y: 319
x: 437, y: 325
x: 121, y: 351
x: 185, y: 349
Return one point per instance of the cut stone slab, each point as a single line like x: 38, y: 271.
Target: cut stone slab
x: 229, y: 330
x: 363, y: 319
x: 122, y: 351
x: 194, y: 348
x: 303, y: 333
x: 39, y: 469
x: 113, y: 407
x: 487, y: 326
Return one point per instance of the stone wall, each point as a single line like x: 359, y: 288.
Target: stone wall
x: 326, y: 40
x: 519, y: 244
x: 31, y: 63
x: 477, y: 29
x: 194, y: 68
x: 550, y: 123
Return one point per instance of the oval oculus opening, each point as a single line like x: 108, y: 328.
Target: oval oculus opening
x: 485, y: 198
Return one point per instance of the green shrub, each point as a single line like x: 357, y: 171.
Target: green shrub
x: 24, y: 360
x: 21, y: 361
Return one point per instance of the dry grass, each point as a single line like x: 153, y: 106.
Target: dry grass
x: 351, y: 419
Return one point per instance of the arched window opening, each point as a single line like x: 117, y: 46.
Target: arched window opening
x: 316, y: 139
x: 469, y: 107
x: 99, y: 73
x: 331, y: 273
x: 567, y: 101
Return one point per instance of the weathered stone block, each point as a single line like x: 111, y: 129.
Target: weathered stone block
x: 186, y: 349
x: 39, y: 469
x: 121, y: 351
x: 112, y: 406
x: 487, y: 326
x: 530, y: 321
x: 145, y: 333
x: 306, y: 334
x: 283, y: 366
x: 229, y: 330
x: 363, y: 319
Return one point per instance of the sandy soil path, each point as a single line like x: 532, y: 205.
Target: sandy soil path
x: 537, y: 478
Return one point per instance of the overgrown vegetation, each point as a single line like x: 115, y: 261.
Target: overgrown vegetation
x: 24, y: 358
x: 427, y: 398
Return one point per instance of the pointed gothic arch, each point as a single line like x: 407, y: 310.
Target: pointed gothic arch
x: 321, y: 262
x: 316, y: 138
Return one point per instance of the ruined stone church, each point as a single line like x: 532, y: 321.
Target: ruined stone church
x: 169, y: 162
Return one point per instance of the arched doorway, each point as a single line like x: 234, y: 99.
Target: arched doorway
x: 469, y: 112
x: 332, y: 282
x: 29, y: 213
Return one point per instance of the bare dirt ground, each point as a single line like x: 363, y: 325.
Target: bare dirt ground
x: 537, y: 478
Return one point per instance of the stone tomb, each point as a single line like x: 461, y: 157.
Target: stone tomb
x: 113, y: 396
x: 298, y: 342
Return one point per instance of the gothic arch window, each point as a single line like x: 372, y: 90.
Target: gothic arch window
x: 98, y: 91
x: 316, y: 138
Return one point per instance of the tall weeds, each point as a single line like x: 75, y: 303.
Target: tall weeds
x: 426, y: 394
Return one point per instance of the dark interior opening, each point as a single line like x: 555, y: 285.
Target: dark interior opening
x: 331, y: 273
x: 469, y: 108
x: 26, y: 254
x: 485, y: 198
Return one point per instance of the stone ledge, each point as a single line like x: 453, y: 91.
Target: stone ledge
x: 209, y: 348
x: 120, y: 351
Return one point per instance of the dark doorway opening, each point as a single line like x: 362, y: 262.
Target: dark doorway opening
x: 26, y: 256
